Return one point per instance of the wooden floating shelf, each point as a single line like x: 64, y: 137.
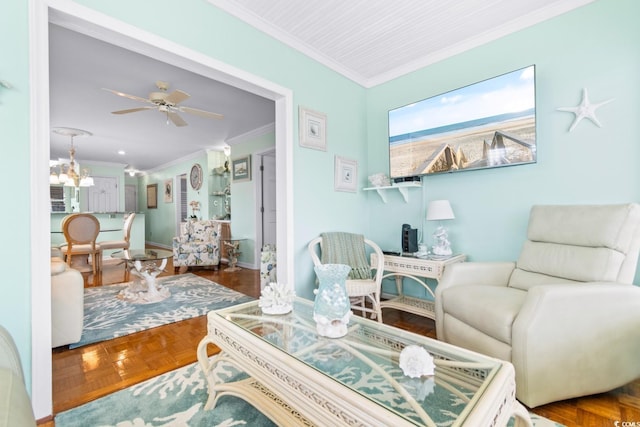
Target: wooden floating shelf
x: 402, y: 187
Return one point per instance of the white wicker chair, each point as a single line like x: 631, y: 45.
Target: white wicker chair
x: 361, y: 289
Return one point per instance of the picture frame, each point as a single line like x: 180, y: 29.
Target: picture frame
x: 241, y: 169
x: 152, y: 196
x: 312, y: 129
x: 168, y: 191
x: 346, y: 175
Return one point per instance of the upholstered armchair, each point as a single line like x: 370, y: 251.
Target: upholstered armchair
x: 197, y: 245
x: 566, y: 314
x: 268, y: 265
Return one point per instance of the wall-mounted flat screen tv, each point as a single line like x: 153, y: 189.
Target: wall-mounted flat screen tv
x: 487, y: 124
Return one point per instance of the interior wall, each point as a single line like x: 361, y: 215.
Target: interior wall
x: 588, y: 48
x: 243, y: 200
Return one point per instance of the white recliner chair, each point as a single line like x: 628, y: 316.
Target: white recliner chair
x: 566, y: 314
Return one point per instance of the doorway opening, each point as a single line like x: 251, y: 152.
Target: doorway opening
x: 101, y: 26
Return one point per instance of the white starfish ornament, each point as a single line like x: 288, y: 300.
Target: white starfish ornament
x: 586, y: 110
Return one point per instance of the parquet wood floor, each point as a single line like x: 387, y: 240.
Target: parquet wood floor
x: 87, y: 373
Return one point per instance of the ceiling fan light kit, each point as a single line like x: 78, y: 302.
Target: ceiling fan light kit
x: 165, y: 103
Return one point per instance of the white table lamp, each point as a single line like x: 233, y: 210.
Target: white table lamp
x: 440, y: 210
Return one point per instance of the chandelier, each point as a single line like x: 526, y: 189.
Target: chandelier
x: 67, y: 174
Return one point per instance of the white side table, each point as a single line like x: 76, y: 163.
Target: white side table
x: 416, y: 269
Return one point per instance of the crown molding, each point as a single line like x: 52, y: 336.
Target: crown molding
x: 262, y: 130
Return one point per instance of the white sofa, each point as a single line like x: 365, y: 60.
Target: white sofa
x: 67, y: 302
x: 566, y: 314
x: 15, y: 405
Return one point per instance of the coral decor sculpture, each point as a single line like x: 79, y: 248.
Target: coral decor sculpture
x: 276, y: 298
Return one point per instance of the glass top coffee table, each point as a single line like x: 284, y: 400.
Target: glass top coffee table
x: 143, y: 263
x: 296, y: 377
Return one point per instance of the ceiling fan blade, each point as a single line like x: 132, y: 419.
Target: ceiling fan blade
x: 202, y: 113
x: 176, y: 97
x: 132, y: 110
x: 176, y: 119
x: 126, y: 95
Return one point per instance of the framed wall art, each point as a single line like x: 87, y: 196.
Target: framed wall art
x: 312, y: 127
x: 168, y: 191
x: 152, y: 196
x: 346, y: 175
x: 241, y: 169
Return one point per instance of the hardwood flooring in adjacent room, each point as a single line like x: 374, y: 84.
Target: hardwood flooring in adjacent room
x: 87, y: 373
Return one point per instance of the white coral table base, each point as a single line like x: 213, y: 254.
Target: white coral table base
x: 153, y: 293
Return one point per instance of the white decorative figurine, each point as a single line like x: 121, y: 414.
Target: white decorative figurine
x: 442, y: 245
x: 277, y: 298
x: 415, y: 362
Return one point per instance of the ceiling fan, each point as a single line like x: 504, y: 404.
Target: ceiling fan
x: 166, y: 103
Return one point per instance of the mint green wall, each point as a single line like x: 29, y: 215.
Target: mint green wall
x: 15, y: 303
x: 243, y: 198
x: 161, y: 222
x: 594, y: 47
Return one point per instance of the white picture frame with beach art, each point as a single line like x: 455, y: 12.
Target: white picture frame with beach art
x: 312, y: 128
x: 346, y: 175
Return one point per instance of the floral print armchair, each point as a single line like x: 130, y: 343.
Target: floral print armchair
x: 198, y: 244
x: 268, y: 265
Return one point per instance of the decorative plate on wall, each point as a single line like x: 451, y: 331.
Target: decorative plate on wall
x: 196, y: 176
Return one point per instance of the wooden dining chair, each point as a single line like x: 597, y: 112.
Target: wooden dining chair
x: 122, y: 243
x: 81, y: 231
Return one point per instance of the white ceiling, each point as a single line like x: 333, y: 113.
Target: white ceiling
x: 368, y: 41
x: 373, y: 41
x: 80, y: 66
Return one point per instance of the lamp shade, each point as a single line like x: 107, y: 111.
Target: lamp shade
x: 439, y: 210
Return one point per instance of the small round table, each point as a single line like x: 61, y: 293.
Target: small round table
x: 143, y: 263
x: 232, y: 246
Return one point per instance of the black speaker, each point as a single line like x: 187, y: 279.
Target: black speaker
x: 409, y: 239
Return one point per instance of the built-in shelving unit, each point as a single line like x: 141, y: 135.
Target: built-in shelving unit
x: 402, y: 187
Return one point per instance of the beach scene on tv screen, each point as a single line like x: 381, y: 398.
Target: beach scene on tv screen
x: 487, y: 124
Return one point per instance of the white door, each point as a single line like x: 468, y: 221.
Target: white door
x: 103, y: 195
x: 268, y: 200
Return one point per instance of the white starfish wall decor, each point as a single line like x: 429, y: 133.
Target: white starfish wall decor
x: 586, y: 110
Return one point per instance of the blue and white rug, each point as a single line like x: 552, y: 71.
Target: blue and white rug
x: 177, y: 399
x: 107, y: 317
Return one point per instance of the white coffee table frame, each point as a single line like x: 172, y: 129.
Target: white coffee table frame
x: 290, y: 392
